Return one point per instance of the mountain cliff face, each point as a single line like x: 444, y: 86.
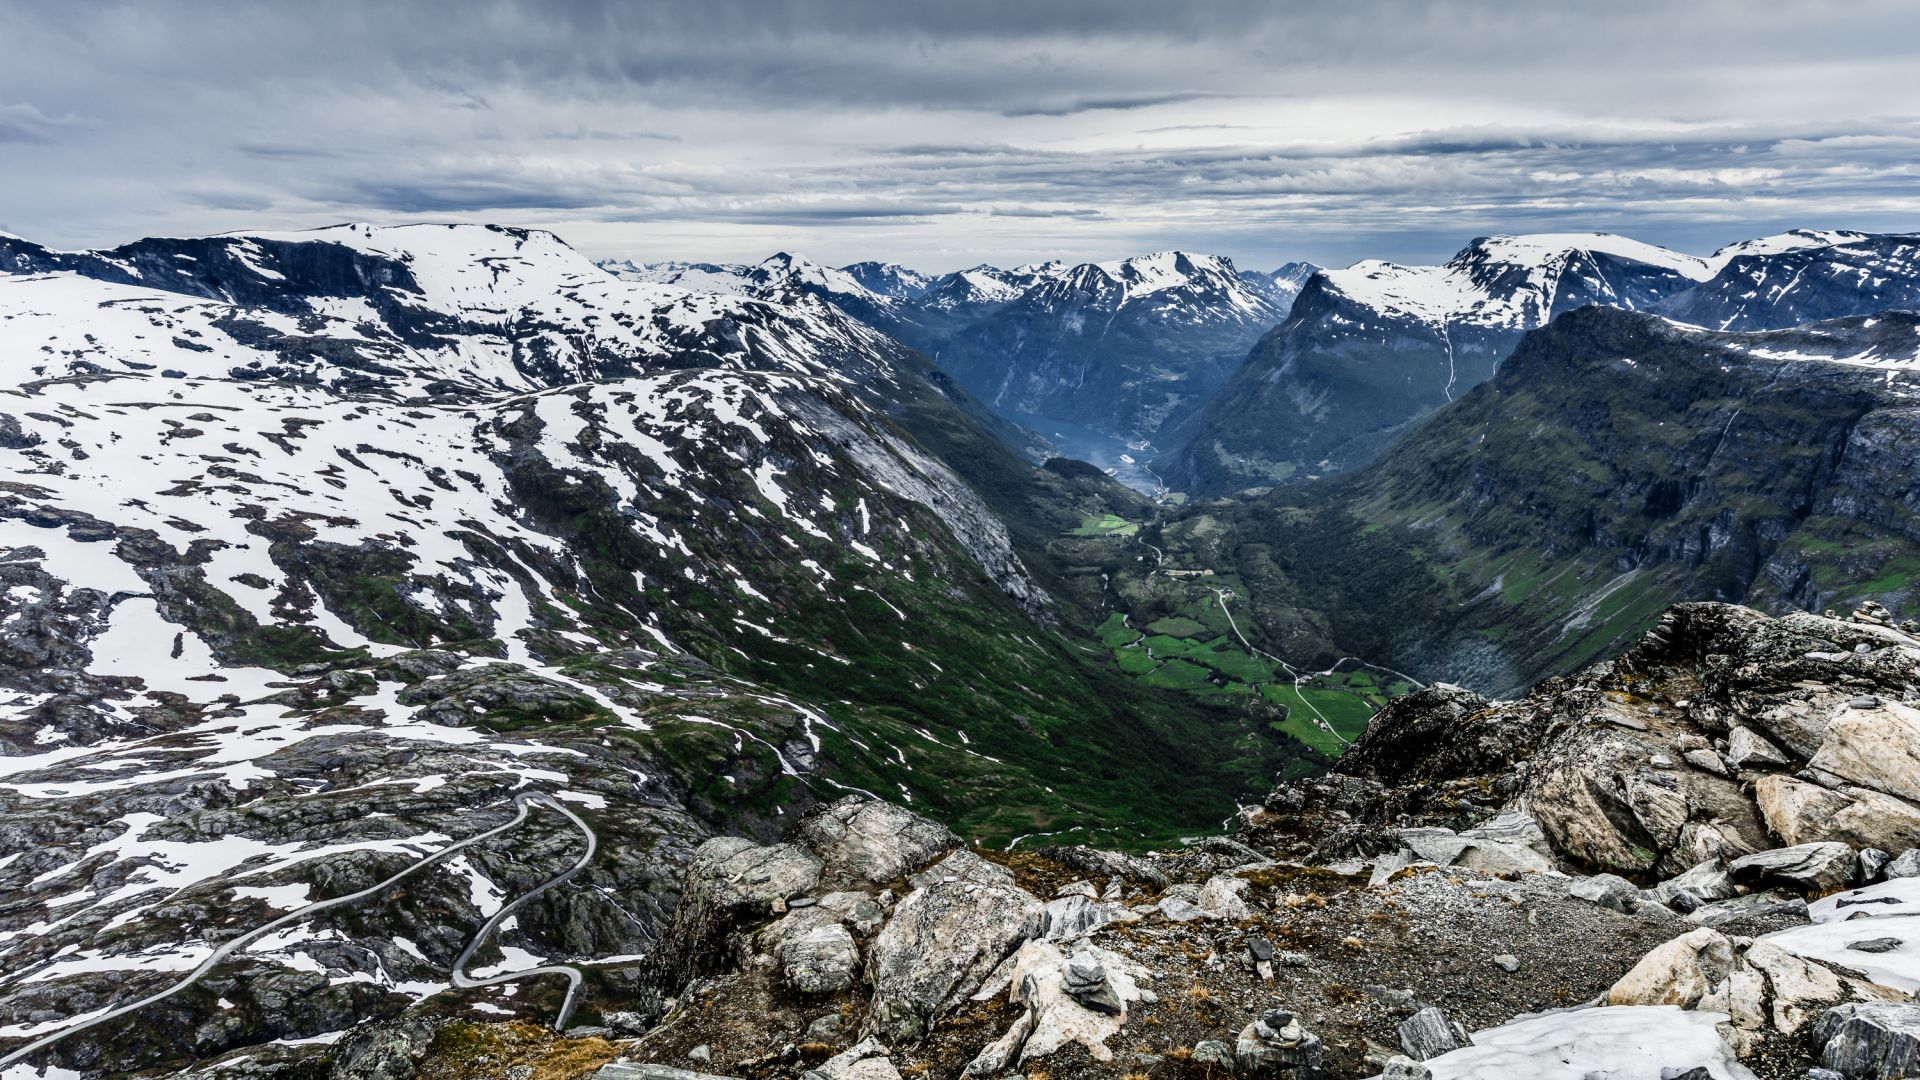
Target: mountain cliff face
x: 1369, y: 348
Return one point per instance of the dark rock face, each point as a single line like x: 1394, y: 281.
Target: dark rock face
x: 1871, y: 1042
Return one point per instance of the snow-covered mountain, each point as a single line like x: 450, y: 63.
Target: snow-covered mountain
x: 1096, y: 356
x: 317, y: 549
x: 1802, y: 276
x: 1098, y: 353
x: 1370, y: 347
x: 1519, y: 282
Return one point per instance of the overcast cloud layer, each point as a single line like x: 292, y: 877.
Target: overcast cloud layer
x: 943, y: 135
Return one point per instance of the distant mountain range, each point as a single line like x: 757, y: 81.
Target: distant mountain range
x: 1368, y: 349
x: 1093, y: 355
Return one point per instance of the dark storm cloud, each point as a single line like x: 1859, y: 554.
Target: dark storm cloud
x: 943, y: 135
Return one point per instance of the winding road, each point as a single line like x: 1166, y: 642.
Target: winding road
x: 1300, y: 676
x: 523, y: 805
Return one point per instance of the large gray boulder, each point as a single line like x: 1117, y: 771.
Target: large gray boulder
x: 1427, y: 1034
x: 1758, y: 985
x: 1506, y: 846
x: 1818, y: 867
x: 1748, y: 749
x: 733, y: 872
x: 864, y: 840
x: 1705, y: 883
x: 1904, y: 865
x: 1877, y: 1040
x: 820, y: 960
x: 1606, y: 890
x: 942, y: 942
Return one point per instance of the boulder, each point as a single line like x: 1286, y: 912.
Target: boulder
x: 1606, y: 890
x: 1706, y: 761
x: 1405, y: 1068
x: 1760, y: 986
x: 942, y: 942
x: 867, y: 1060
x: 1876, y: 748
x: 732, y: 872
x: 1873, y: 863
x: 864, y: 840
x: 1507, y: 846
x: 1817, y: 867
x: 1879, y: 1040
x: 1799, y: 813
x: 1904, y: 865
x: 1706, y: 882
x: 1427, y: 1034
x: 820, y: 960
x: 1753, y: 913
x: 1748, y: 749
x: 1222, y: 897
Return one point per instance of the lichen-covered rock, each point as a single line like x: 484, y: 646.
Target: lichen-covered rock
x: 940, y: 944
x: 864, y: 840
x: 819, y: 960
x: 1081, y: 999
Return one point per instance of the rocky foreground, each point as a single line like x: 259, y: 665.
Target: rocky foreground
x: 1693, y: 861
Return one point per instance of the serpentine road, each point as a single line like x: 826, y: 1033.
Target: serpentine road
x: 523, y: 805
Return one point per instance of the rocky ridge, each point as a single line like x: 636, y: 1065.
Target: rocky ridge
x: 1428, y: 909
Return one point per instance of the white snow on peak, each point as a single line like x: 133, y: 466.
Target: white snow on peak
x: 1477, y: 285
x: 1160, y: 270
x: 1792, y: 240
x: 727, y: 278
x: 1546, y: 248
x: 800, y: 270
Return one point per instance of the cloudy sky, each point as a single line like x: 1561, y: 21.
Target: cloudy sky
x: 946, y: 134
